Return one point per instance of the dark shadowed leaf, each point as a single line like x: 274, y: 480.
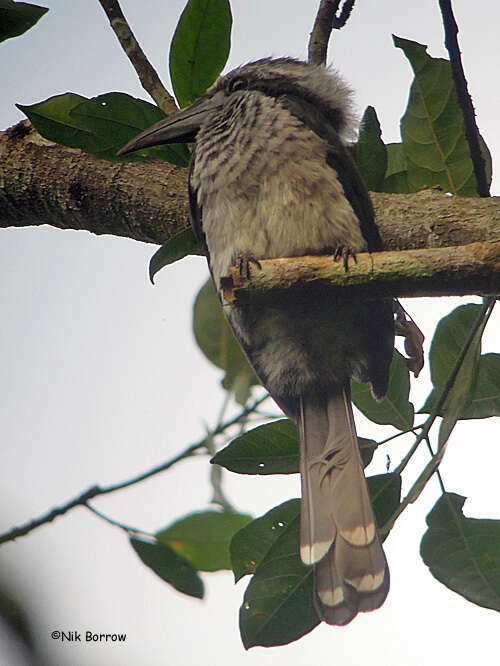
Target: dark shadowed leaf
x: 268, y: 449
x: 447, y: 344
x: 432, y: 127
x: 484, y: 399
x: 169, y: 566
x: 395, y: 409
x: 396, y: 177
x: 18, y: 17
x: 179, y: 246
x: 272, y: 448
x: 251, y: 544
x: 370, y: 152
x: 200, y: 47
x: 385, y: 491
x: 217, y: 342
x: 463, y: 553
x: 102, y: 125
x: 278, y: 603
x: 203, y: 538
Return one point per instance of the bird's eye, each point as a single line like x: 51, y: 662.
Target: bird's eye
x: 237, y: 84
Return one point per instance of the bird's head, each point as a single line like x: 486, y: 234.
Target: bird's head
x: 319, y: 90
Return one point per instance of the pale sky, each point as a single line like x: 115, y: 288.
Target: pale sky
x: 102, y: 379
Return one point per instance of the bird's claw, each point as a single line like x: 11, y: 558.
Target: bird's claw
x: 344, y: 252
x: 242, y: 262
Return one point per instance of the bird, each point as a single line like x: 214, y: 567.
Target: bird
x: 271, y: 176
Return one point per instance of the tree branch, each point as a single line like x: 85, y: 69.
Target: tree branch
x: 326, y: 20
x: 464, y: 98
x: 45, y: 183
x: 448, y: 271
x: 83, y: 498
x: 147, y: 74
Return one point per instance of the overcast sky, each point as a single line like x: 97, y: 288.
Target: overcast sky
x: 102, y: 379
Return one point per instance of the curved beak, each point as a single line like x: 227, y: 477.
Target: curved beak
x: 180, y: 128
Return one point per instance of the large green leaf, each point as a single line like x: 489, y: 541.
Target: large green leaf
x: 463, y: 553
x: 395, y: 409
x: 179, y: 246
x: 169, y: 566
x: 447, y: 344
x: 203, y: 538
x: 101, y: 125
x: 370, y: 152
x: 18, y: 17
x: 272, y: 448
x: 217, y: 342
x: 432, y: 127
x: 251, y: 544
x: 484, y: 398
x: 278, y: 603
x: 200, y: 47
x: 268, y: 449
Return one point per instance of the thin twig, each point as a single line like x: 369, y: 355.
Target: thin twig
x: 145, y: 71
x: 438, y: 473
x: 95, y: 491
x: 216, y: 471
x: 117, y: 523
x: 464, y: 98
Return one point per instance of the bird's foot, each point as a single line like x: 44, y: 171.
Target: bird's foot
x: 242, y: 262
x: 344, y: 252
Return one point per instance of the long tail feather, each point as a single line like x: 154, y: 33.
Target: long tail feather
x: 338, y: 530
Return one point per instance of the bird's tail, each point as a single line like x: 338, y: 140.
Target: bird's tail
x: 338, y: 530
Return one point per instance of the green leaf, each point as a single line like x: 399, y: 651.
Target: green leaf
x: 169, y: 566
x: 432, y: 127
x: 268, y: 449
x: 484, y: 398
x: 102, y: 125
x: 18, y: 17
x: 447, y: 344
x: 396, y: 176
x: 272, y: 448
x: 251, y: 544
x: 370, y: 152
x: 395, y: 409
x: 200, y: 47
x: 216, y: 340
x: 484, y: 401
x: 179, y: 246
x: 203, y: 538
x: 463, y: 553
x: 278, y: 603
x: 385, y: 492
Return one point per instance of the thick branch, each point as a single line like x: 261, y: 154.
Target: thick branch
x: 145, y: 71
x: 44, y: 183
x: 448, y: 271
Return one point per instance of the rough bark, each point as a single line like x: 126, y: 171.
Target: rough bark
x: 44, y: 183
x: 448, y: 271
